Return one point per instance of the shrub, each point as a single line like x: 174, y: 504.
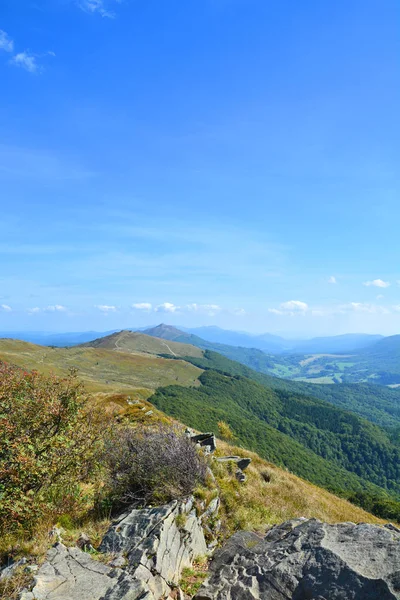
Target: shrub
x: 48, y: 445
x: 152, y: 465
x: 225, y: 431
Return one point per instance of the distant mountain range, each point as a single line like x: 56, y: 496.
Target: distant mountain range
x: 269, y: 343
x: 350, y: 358
x: 321, y: 360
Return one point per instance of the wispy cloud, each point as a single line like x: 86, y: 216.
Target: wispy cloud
x: 6, y: 43
x: 332, y: 279
x: 99, y: 7
x: 146, y: 306
x: 168, y: 307
x: 5, y: 307
x: 209, y: 309
x: 106, y: 308
x: 364, y: 307
x: 53, y: 308
x: 26, y: 61
x: 377, y: 283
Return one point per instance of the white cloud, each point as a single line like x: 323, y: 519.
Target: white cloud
x: 167, y: 307
x: 106, y: 309
x: 332, y: 279
x: 363, y: 307
x: 380, y: 296
x: 377, y: 283
x: 96, y: 7
x: 48, y: 309
x: 6, y: 43
x: 25, y: 61
x: 143, y: 306
x: 209, y: 309
x: 55, y: 308
x: 5, y: 307
x: 239, y: 312
x: 290, y: 308
x: 295, y: 305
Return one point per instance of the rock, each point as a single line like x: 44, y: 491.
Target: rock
x: 307, y: 559
x: 31, y: 569
x: 56, y: 533
x: 84, y: 543
x: 212, y: 509
x: 156, y: 548
x: 241, y: 463
x: 204, y: 440
x: 119, y: 562
x: 70, y: 574
x: 26, y: 595
x: 240, y: 476
x: 9, y: 570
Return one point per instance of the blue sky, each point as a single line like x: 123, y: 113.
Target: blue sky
x: 227, y: 162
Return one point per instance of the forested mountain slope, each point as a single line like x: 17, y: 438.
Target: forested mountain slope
x: 378, y: 404
x: 314, y: 439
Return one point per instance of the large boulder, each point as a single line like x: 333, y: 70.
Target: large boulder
x: 158, y: 543
x: 306, y: 559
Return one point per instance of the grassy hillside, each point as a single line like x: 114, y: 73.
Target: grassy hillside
x: 134, y: 342
x: 102, y: 369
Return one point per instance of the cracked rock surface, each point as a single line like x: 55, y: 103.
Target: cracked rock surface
x: 155, y: 550
x: 306, y: 559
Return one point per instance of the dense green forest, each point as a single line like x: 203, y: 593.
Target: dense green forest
x: 326, y: 445
x: 378, y: 404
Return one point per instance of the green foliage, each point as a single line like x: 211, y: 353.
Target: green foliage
x: 316, y: 440
x: 386, y: 508
x: 48, y: 444
x: 192, y: 578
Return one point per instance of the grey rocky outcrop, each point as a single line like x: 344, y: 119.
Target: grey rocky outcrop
x: 148, y: 549
x: 158, y: 543
x: 207, y: 441
x: 306, y: 559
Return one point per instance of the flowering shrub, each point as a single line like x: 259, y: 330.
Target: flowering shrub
x: 48, y: 445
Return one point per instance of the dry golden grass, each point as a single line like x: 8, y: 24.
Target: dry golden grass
x: 272, y: 495
x: 134, y: 342
x: 101, y: 369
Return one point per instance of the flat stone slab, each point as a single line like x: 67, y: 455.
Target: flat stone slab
x: 306, y: 559
x: 70, y: 574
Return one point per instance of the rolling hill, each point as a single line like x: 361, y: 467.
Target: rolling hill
x: 134, y: 342
x: 103, y: 369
